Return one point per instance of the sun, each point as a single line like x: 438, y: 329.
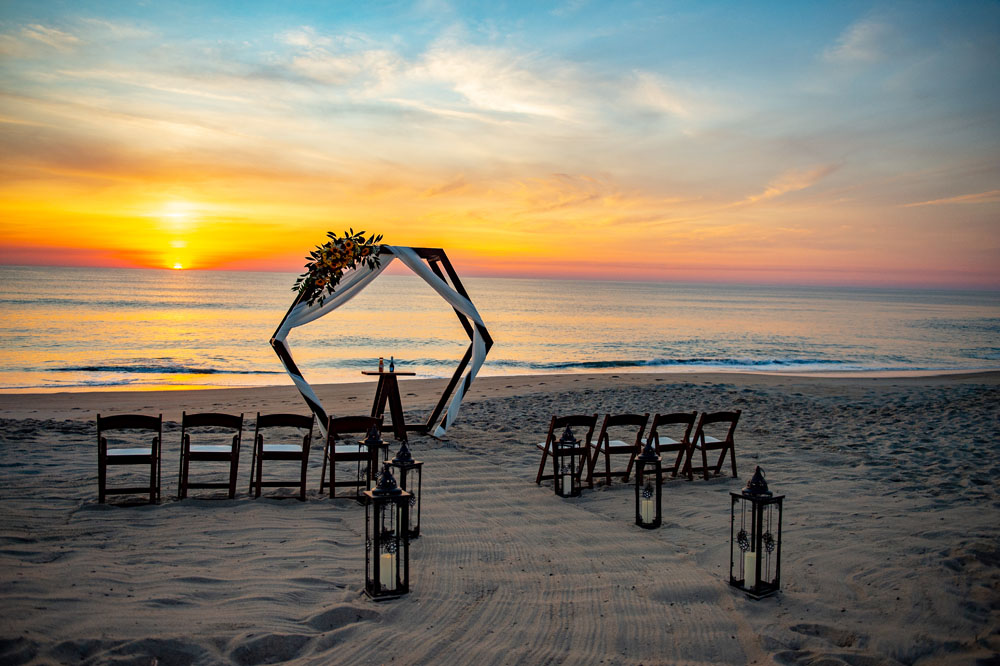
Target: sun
x: 178, y: 267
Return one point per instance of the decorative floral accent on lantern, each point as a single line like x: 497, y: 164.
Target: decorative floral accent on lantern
x: 328, y: 262
x: 410, y: 479
x: 755, y: 538
x: 564, y: 456
x: 648, y: 487
x: 387, y: 541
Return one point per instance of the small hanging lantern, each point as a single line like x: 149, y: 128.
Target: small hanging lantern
x: 564, y: 453
x: 387, y: 544
x: 648, y: 488
x: 755, y: 538
x: 368, y: 471
x: 410, y: 474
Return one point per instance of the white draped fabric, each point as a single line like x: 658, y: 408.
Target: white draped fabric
x: 351, y: 284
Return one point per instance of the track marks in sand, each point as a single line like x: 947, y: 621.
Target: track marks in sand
x: 505, y: 572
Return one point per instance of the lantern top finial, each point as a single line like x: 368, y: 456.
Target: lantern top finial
x: 386, y: 483
x: 648, y: 453
x: 757, y: 486
x: 568, y: 439
x: 403, y: 456
x: 373, y: 438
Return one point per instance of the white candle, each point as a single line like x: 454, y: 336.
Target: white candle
x: 565, y: 484
x: 749, y: 569
x: 646, y: 511
x: 387, y: 571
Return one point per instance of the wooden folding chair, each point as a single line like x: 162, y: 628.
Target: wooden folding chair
x: 607, y: 447
x: 705, y: 443
x: 294, y: 451
x: 343, y: 445
x: 133, y: 424
x: 216, y: 452
x: 588, y: 421
x: 665, y: 444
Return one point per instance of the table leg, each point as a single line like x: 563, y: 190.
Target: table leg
x: 378, y: 406
x: 396, y: 409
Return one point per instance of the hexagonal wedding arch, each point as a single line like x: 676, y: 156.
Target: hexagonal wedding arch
x: 433, y: 266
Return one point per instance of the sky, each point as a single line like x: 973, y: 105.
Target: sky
x: 774, y: 142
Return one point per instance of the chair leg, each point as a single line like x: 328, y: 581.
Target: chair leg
x: 182, y: 491
x: 260, y: 471
x: 102, y: 480
x: 322, y: 476
x: 704, y: 462
x: 302, y: 489
x: 253, y: 466
x: 541, y: 465
x: 591, y: 461
x: 628, y: 469
x: 153, y: 486
x: 677, y: 462
x: 234, y: 465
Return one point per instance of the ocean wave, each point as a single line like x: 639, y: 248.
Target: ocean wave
x: 670, y: 362
x: 161, y: 370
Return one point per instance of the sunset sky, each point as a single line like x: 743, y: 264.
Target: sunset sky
x: 802, y: 143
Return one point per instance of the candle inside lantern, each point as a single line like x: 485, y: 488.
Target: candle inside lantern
x: 387, y: 571
x: 565, y: 483
x: 646, y: 510
x: 749, y: 569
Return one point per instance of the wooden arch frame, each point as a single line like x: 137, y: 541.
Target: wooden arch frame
x: 438, y: 261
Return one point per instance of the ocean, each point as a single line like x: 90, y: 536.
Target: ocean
x: 69, y: 329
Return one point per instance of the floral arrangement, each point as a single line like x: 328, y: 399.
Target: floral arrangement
x: 327, y: 263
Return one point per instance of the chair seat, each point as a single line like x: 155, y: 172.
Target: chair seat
x: 211, y: 448
x: 282, y: 448
x: 708, y: 440
x: 667, y: 440
x: 130, y: 452
x: 351, y: 448
x: 615, y: 444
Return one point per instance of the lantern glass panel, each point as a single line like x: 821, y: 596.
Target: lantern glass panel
x: 411, y: 480
x: 387, y: 565
x: 755, y: 544
x: 564, y: 457
x: 648, y: 493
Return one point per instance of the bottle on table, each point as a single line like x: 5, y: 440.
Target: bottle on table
x: 380, y: 363
x: 392, y: 365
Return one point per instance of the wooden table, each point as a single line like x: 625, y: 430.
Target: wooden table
x: 388, y: 391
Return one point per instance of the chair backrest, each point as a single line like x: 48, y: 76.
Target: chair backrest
x: 624, y: 420
x: 129, y: 422
x: 588, y: 421
x: 211, y: 419
x: 732, y: 418
x: 284, y: 420
x: 687, y: 419
x: 349, y: 425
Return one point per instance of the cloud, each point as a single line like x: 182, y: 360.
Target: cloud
x: 863, y: 42
x: 791, y: 181
x: 116, y: 30
x: 57, y: 39
x: 653, y: 92
x: 991, y: 196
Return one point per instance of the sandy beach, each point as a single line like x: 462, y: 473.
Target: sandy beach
x: 891, y: 550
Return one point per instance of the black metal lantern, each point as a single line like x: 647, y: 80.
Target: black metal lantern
x: 410, y: 478
x: 648, y: 488
x: 755, y: 538
x: 368, y: 471
x: 387, y: 541
x: 564, y: 453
